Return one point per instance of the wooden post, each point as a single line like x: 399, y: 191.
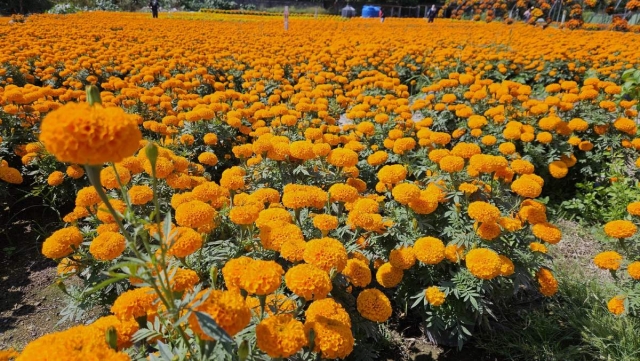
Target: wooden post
x: 316, y: 13
x: 564, y: 15
x: 286, y: 18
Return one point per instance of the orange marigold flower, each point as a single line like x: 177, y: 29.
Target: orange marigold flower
x: 326, y: 253
x: 468, y: 188
x: 183, y: 279
x: 377, y: 158
x: 434, y: 296
x: 526, y: 187
x: 620, y: 229
x: 125, y: 329
x: 293, y: 250
x: 357, y: 272
x: 342, y: 157
x: 234, y: 270
x: 392, y: 174
x: 208, y: 158
x: 164, y: 167
x: 325, y: 222
x: 333, y: 339
x: 233, y: 178
x: 87, y: 197
x: 558, y: 169
x: 537, y: 247
x: 389, y: 276
x: 521, y: 166
x: 107, y: 246
x: 402, y: 258
x: 405, y: 192
x: 227, y: 308
x: 547, y: 282
x: 429, y: 250
x: 195, y: 214
x: 109, y: 180
x: 280, y: 336
x: 60, y: 243
x: 75, y: 343
x: 374, y: 305
x: 55, y: 178
x: 616, y: 305
x: 466, y: 150
x: 261, y: 277
x: 273, y: 235
x: 483, y: 212
x: 308, y: 281
x: 483, y: 263
x: 85, y: 134
x: 140, y: 194
x: 451, y: 163
x: 547, y: 232
x: 454, y: 253
x: 507, y: 148
x: 345, y: 193
x: 634, y: 208
x: 302, y: 150
x: 634, y: 270
x: 185, y: 242
x: 75, y: 171
x: 244, y: 215
x: 488, y: 231
x: 609, y: 260
x: 134, y: 303
x: 507, y: 268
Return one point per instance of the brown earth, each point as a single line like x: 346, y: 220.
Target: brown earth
x: 29, y: 302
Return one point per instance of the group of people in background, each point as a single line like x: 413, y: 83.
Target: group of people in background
x: 431, y: 14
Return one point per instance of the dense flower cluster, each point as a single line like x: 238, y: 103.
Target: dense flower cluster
x: 285, y: 195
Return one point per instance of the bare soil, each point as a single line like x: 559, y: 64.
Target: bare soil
x: 29, y: 302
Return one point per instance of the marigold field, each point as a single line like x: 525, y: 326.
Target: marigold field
x: 236, y: 191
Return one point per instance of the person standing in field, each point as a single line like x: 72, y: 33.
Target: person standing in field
x: 154, y: 5
x: 527, y: 15
x: 381, y: 15
x: 432, y: 13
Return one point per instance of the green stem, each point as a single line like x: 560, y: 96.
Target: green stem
x: 93, y: 173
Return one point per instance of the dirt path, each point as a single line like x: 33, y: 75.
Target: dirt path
x: 30, y: 304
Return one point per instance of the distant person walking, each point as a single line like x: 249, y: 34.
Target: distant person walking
x: 381, y: 15
x: 432, y: 13
x: 154, y: 5
x: 527, y: 15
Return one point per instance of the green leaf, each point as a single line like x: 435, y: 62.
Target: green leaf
x: 105, y: 283
x: 211, y: 328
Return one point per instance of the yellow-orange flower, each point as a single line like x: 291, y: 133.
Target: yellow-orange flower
x: 609, y: 260
x: 308, y: 281
x: 261, y: 277
x: 326, y: 253
x: 357, y: 272
x: 620, y: 229
x: 374, y: 305
x: 616, y: 305
x: 483, y: 263
x: 280, y: 336
x: 227, y: 308
x: 434, y: 296
x: 389, y: 276
x: 429, y: 250
x: 84, y: 134
x: 61, y: 243
x: 107, y: 246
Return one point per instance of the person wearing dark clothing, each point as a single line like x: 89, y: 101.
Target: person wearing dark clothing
x: 154, y: 5
x: 432, y: 13
x: 381, y: 15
